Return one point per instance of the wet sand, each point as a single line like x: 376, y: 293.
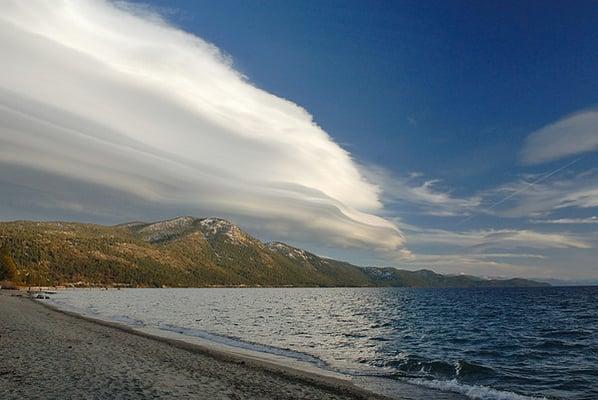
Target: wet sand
x: 48, y: 354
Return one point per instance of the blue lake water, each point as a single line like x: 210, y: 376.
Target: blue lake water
x: 490, y: 343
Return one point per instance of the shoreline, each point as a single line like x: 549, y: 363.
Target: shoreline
x: 291, y: 370
x: 268, y: 362
x: 288, y: 367
x: 293, y: 382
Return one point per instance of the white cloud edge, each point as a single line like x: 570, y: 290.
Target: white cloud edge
x: 145, y: 67
x: 571, y: 135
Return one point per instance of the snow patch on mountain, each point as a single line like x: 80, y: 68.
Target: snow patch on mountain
x: 289, y: 251
x: 164, y: 230
x: 213, y: 227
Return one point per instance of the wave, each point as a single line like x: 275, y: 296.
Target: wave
x: 566, y: 334
x: 466, y: 369
x: 417, y: 366
x: 558, y: 345
x: 474, y: 392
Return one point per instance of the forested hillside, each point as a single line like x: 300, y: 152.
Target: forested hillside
x: 186, y: 252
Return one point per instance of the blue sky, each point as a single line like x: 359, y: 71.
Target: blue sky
x: 450, y: 90
x: 475, y: 121
x: 447, y: 88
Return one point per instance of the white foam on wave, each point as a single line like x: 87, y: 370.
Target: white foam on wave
x: 475, y: 392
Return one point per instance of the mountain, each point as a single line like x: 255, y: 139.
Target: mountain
x: 190, y: 252
x: 571, y: 282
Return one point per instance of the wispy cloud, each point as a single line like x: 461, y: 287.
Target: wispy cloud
x: 476, y: 264
x: 106, y: 95
x: 567, y: 221
x: 574, y: 134
x: 573, y: 190
x: 480, y: 240
x: 423, y: 194
x: 492, y: 252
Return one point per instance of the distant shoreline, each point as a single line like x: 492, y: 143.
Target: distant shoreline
x: 119, y: 287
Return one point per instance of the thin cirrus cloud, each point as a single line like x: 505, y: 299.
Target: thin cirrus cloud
x: 572, y: 191
x: 494, y: 252
x: 503, y: 239
x: 422, y: 194
x: 567, y: 221
x: 93, y: 93
x: 571, y: 135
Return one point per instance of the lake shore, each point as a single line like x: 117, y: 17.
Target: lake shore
x: 55, y: 355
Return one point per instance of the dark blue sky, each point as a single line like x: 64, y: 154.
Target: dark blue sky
x: 447, y: 88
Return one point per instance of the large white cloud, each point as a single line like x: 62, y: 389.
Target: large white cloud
x: 574, y: 134
x: 99, y: 94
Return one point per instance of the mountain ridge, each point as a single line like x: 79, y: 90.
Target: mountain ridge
x: 192, y: 252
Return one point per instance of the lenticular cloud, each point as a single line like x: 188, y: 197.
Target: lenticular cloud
x: 96, y: 94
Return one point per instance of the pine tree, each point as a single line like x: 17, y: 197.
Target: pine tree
x: 8, y: 267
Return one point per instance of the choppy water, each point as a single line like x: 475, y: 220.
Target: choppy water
x: 486, y: 343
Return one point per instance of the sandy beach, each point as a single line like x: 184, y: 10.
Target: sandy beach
x: 52, y: 355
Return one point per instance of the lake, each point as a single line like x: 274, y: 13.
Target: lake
x: 490, y: 343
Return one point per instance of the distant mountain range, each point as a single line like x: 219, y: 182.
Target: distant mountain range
x: 570, y: 282
x: 191, y: 252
